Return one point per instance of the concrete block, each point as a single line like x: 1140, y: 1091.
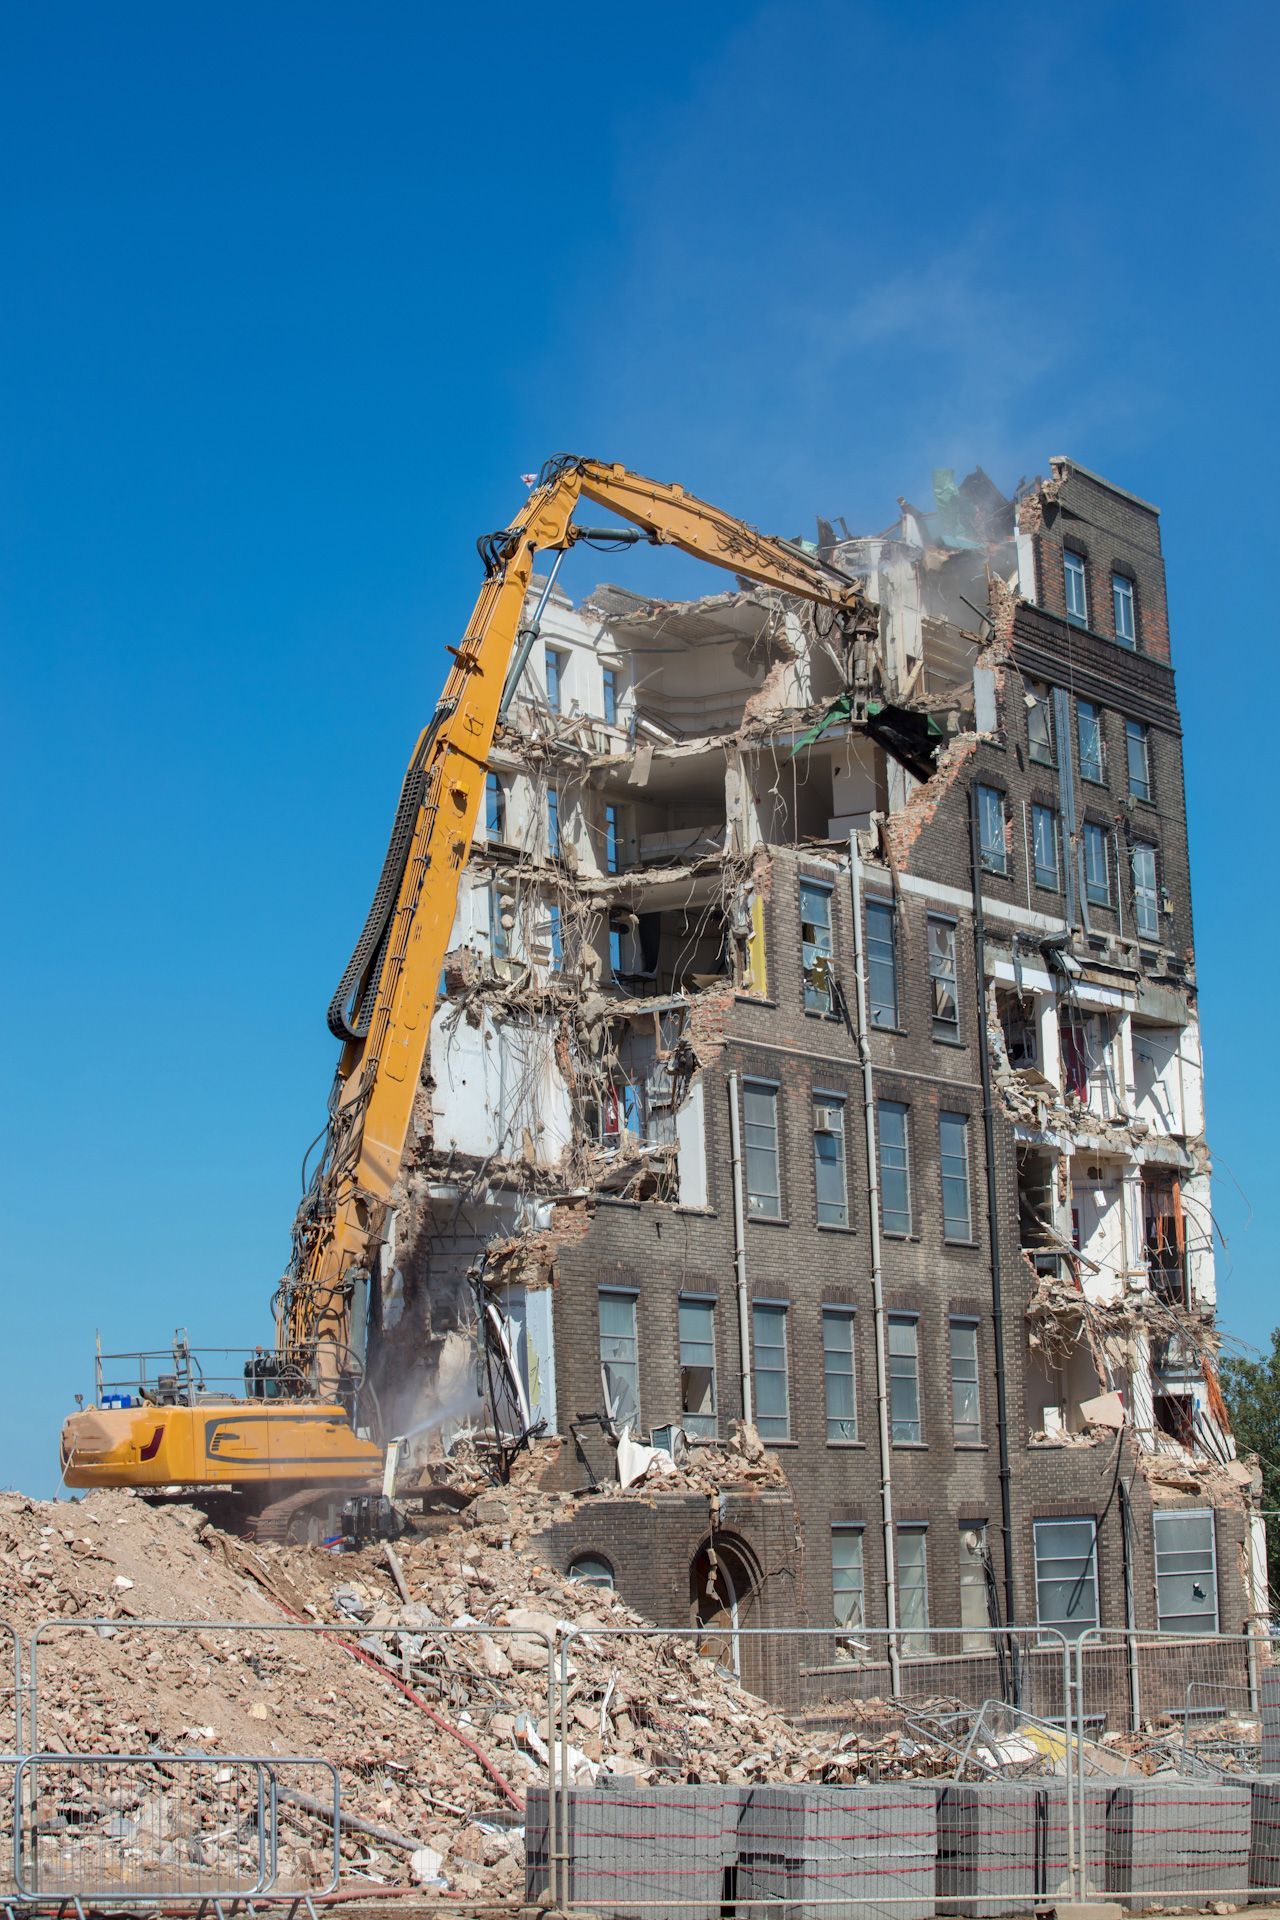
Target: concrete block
x: 1177, y: 1838
x: 839, y: 1853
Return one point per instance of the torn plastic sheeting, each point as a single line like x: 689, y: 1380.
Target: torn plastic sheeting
x: 636, y: 1462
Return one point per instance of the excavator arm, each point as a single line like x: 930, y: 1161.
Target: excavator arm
x: 384, y: 1005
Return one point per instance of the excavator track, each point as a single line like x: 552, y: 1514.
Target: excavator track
x: 302, y: 1518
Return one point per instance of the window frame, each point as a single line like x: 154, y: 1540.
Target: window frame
x: 495, y: 809
x: 612, y: 837
x: 1088, y: 762
x: 1070, y: 1627
x: 703, y: 1426
x: 752, y: 1086
x: 554, y: 661
x: 1075, y: 570
x: 1039, y: 811
x: 817, y: 999
x: 947, y: 1031
x: 969, y: 1324
x: 836, y: 1100
x: 777, y: 1312
x: 1165, y: 1621
x: 916, y: 1637
x: 609, y: 695
x: 847, y: 1317
x: 1123, y: 593
x: 605, y: 1579
x: 950, y: 1153
x: 851, y: 1531
x: 1146, y: 926
x: 553, y: 820
x: 974, y: 1638
x: 1041, y: 753
x: 877, y: 945
x: 905, y: 1213
x: 987, y: 859
x: 626, y: 1366
x: 1097, y: 892
x: 1138, y: 734
x: 904, y: 1420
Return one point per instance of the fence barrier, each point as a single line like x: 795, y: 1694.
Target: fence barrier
x: 943, y: 1771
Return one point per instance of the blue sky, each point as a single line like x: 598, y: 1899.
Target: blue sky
x: 292, y: 295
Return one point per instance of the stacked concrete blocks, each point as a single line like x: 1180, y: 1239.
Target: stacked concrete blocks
x: 1172, y: 1838
x: 833, y: 1853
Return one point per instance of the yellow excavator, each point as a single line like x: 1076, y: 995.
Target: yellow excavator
x: 288, y: 1445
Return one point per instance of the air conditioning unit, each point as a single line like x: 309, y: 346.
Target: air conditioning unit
x: 828, y: 1119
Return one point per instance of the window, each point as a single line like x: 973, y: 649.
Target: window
x: 611, y: 839
x: 1066, y: 1574
x: 975, y: 1615
x: 620, y: 1358
x: 1044, y: 847
x: 769, y: 1370
x: 1089, y: 736
x: 1146, y: 902
x: 760, y: 1125
x: 904, y: 1380
x: 554, y: 938
x: 913, y: 1589
x: 942, y: 979
x: 837, y: 1369
x: 1039, y: 725
x: 847, y: 1585
x: 828, y: 1161
x: 499, y: 932
x: 882, y: 964
x: 815, y: 945
x: 992, y: 847
x: 1186, y: 1572
x: 553, y: 823
x: 611, y: 696
x: 1077, y: 585
x: 1097, y: 865
x: 557, y: 660
x: 953, y: 1151
x: 698, y: 1365
x: 591, y: 1570
x: 495, y: 808
x: 966, y: 1425
x: 895, y: 1167
x: 1122, y: 609
x: 1138, y: 750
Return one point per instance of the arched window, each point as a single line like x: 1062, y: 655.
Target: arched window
x: 592, y: 1570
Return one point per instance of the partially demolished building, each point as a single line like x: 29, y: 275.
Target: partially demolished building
x: 738, y: 1109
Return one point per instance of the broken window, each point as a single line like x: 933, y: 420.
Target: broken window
x: 1097, y: 865
x: 1089, y: 737
x: 760, y: 1126
x: 1076, y: 578
x: 611, y: 696
x: 1039, y: 724
x: 828, y: 1161
x: 847, y: 1580
x: 591, y: 1570
x: 1085, y: 1040
x: 815, y: 945
x: 913, y: 1589
x: 953, y: 1147
x: 974, y: 1612
x: 895, y: 1167
x: 942, y: 978
x: 993, y: 847
x: 1186, y: 1571
x: 1044, y: 843
x: 553, y: 822
x: 557, y: 661
x: 904, y: 1380
x: 1137, y: 745
x: 1021, y: 1031
x: 495, y: 809
x: 620, y: 1358
x: 612, y: 857
x: 555, y: 939
x: 1123, y: 610
x: 1164, y: 1236
x: 882, y: 964
x: 966, y: 1425
x: 501, y: 921
x: 1146, y: 901
x: 1066, y: 1574
x: 698, y: 1365
x: 838, y: 1374
x: 769, y: 1371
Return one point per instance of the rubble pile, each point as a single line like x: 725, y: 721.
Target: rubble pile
x: 436, y: 1735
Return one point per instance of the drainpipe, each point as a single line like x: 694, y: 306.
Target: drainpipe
x: 740, y: 1251
x: 993, y: 1202
x: 877, y: 1276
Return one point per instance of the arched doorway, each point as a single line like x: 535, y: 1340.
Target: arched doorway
x: 724, y: 1584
